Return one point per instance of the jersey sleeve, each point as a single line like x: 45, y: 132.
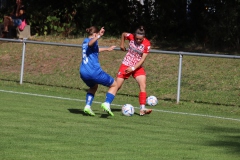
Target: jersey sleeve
x: 147, y: 46
x: 129, y: 37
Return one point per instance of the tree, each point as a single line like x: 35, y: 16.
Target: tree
x: 213, y: 23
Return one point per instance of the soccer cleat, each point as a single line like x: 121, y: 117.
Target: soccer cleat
x: 145, y: 111
x: 107, y: 109
x: 88, y: 111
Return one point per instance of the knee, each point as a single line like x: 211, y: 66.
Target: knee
x: 142, y: 87
x: 94, y: 88
x: 114, y: 84
x: 119, y: 87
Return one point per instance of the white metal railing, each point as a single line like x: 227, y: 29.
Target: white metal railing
x: 180, y: 53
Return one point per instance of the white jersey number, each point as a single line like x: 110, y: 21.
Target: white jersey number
x: 84, y: 55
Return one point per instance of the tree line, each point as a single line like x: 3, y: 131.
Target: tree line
x: 211, y: 23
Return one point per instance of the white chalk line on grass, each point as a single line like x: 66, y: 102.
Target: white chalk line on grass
x: 72, y: 99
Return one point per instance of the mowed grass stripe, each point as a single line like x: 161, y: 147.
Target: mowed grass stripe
x: 45, y: 128
x: 166, y: 111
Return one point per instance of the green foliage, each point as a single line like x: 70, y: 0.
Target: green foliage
x: 213, y: 24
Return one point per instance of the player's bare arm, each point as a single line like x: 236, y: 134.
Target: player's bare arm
x: 96, y: 36
x: 122, y: 47
x: 107, y: 49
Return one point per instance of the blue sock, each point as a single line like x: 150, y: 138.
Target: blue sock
x: 89, y: 99
x: 109, y: 97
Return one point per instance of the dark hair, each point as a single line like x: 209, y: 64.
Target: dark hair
x: 92, y: 30
x: 22, y: 8
x: 140, y: 30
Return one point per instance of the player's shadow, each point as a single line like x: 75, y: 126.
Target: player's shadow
x: 228, y: 138
x: 103, y: 114
x: 116, y: 110
x: 136, y: 114
x: 76, y: 111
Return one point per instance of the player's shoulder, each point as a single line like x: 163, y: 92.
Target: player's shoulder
x: 146, y: 42
x: 86, y: 40
x: 129, y: 36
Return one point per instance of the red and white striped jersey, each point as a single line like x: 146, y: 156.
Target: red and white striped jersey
x: 135, y: 51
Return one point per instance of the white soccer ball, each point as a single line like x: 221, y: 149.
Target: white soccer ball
x: 127, y: 110
x: 152, y: 101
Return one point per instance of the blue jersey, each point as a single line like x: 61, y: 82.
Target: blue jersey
x: 90, y: 69
x: 90, y: 64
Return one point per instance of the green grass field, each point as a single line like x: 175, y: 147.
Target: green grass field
x: 39, y: 122
x: 43, y: 118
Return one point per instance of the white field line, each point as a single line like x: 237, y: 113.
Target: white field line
x: 157, y: 110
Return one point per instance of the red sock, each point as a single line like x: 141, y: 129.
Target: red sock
x: 142, y: 98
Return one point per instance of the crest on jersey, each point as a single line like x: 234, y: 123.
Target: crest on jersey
x: 141, y: 47
x: 149, y: 47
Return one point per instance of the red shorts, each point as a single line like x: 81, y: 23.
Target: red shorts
x: 121, y: 72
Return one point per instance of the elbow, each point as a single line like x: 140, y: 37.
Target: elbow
x: 90, y: 44
x: 123, y: 34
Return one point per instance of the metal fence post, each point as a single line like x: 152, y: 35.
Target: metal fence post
x: 179, y: 77
x: 152, y: 51
x: 23, y: 58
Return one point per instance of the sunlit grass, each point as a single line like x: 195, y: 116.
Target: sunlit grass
x: 48, y: 123
x: 204, y: 80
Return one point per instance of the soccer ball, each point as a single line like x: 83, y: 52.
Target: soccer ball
x: 152, y: 101
x: 127, y: 110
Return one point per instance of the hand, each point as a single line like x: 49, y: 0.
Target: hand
x: 122, y: 48
x: 101, y: 32
x: 128, y: 70
x: 111, y: 48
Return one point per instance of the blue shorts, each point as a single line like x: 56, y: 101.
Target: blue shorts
x: 101, y: 78
x: 17, y: 22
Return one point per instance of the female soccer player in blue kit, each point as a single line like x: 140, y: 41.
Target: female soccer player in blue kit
x: 91, y: 72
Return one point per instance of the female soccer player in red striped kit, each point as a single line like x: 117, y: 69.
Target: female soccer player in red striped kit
x: 139, y: 47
